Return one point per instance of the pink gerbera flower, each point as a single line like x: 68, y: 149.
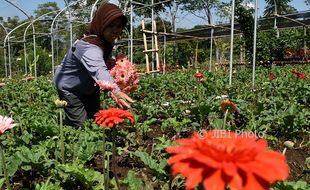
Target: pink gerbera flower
x: 105, y: 85
x: 6, y: 123
x: 125, y: 74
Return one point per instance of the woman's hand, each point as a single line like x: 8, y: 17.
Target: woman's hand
x: 122, y: 99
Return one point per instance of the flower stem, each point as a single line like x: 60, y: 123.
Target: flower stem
x: 105, y: 176
x: 225, y: 118
x: 113, y: 157
x: 107, y: 181
x: 4, y: 168
x: 62, y: 139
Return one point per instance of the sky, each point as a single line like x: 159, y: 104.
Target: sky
x: 184, y: 21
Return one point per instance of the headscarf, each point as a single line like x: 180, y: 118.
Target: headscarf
x: 105, y: 14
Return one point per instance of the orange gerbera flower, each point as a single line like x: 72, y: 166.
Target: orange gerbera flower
x: 222, y: 158
x: 6, y: 123
x: 227, y: 104
x: 112, y: 116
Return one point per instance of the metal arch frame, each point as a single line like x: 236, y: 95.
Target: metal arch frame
x: 128, y: 34
x: 164, y: 60
x: 5, y: 39
x: 275, y: 18
x: 131, y: 31
x: 93, y: 10
x: 52, y: 35
x: 254, y: 43
x: 231, y: 41
x: 33, y: 31
x: 4, y: 50
x: 34, y: 42
x: 70, y: 21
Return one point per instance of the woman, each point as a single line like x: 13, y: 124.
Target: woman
x: 87, y: 61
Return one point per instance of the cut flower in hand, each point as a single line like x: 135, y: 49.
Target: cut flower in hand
x: 125, y: 74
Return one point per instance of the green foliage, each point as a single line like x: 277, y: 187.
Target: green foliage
x: 178, y: 126
x: 48, y: 186
x: 133, y: 182
x: 89, y: 178
x: 298, y: 185
x: 156, y: 165
x: 271, y: 48
x: 279, y: 108
x: 245, y: 19
x: 46, y: 8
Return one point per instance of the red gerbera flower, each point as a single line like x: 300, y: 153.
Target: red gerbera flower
x: 271, y: 76
x: 112, y: 116
x: 222, y: 158
x: 300, y: 75
x: 199, y: 76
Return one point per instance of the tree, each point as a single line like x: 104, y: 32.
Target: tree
x: 307, y: 2
x: 197, y: 6
x: 45, y: 8
x: 244, y: 16
x: 281, y: 6
x: 43, y: 26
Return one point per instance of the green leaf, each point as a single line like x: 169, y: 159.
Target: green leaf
x: 217, y: 123
x: 133, y: 181
x: 292, y: 185
x: 150, y: 162
x: 2, y: 180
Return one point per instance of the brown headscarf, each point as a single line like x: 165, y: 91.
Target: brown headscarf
x: 105, y: 14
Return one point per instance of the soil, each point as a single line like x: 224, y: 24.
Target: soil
x: 296, y: 158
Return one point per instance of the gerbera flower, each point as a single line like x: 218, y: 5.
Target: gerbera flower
x: 199, y: 76
x: 121, y: 59
x: 218, y: 159
x: 105, y: 85
x: 271, y: 76
x: 121, y: 75
x: 125, y: 74
x: 112, y: 116
x: 300, y: 75
x: 227, y: 104
x: 6, y: 123
x: 28, y: 78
